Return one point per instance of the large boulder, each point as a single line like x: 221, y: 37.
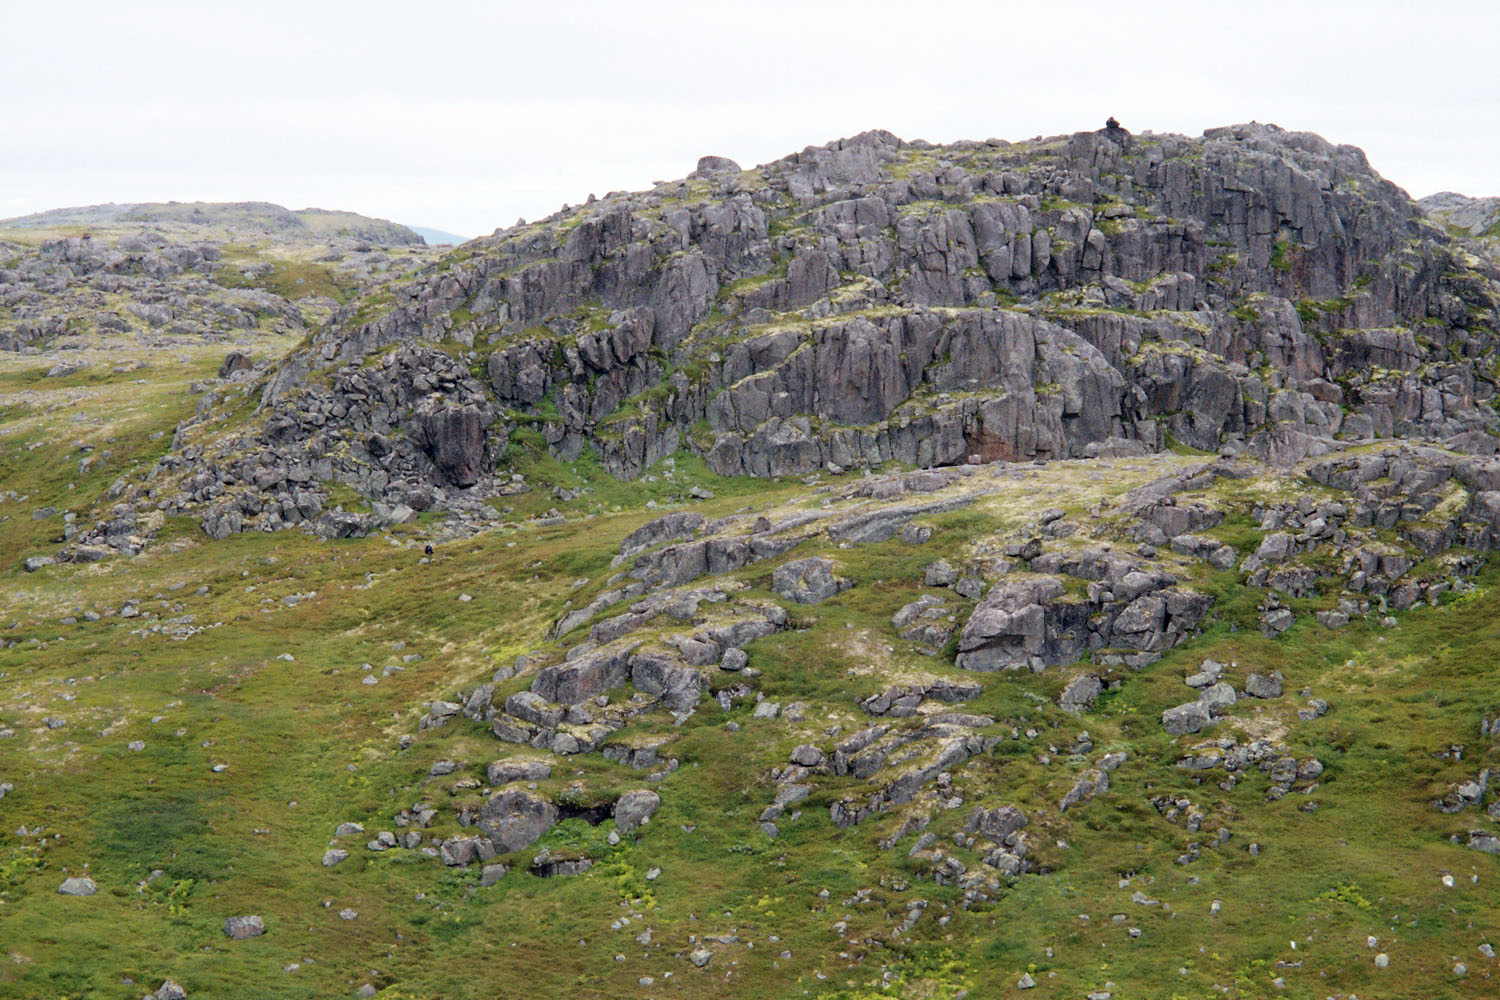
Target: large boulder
x: 588, y: 676
x: 1009, y: 627
x: 635, y: 808
x: 235, y: 362
x: 1262, y: 686
x: 1187, y: 718
x: 77, y: 886
x: 678, y: 685
x: 996, y: 824
x: 808, y: 581
x: 453, y: 437
x: 515, y: 818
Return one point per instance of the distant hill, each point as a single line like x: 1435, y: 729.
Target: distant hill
x: 437, y: 237
x: 256, y: 216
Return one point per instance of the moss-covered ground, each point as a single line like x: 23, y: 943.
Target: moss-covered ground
x: 221, y: 668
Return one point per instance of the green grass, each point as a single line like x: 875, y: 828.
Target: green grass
x: 307, y: 746
x: 1280, y: 254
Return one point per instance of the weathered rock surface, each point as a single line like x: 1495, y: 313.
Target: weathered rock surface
x: 853, y: 305
x: 808, y: 581
x: 1190, y: 717
x: 77, y: 886
x: 634, y: 808
x: 1027, y: 622
x: 514, y: 818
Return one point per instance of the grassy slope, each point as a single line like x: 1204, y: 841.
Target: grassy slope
x: 308, y: 745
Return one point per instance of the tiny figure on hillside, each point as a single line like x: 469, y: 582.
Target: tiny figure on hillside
x: 428, y: 550
x: 1111, y: 123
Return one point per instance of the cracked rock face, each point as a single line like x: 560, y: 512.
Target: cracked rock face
x: 874, y: 301
x: 454, y: 438
x: 514, y: 818
x: 808, y: 581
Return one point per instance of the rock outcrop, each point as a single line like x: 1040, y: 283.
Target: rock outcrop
x: 874, y: 301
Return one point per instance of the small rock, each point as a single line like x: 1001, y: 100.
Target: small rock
x: 77, y: 886
x: 242, y: 927
x: 700, y: 957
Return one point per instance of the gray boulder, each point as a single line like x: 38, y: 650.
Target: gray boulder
x: 1187, y: 718
x: 1009, y: 627
x: 503, y: 772
x: 1217, y: 697
x: 940, y: 574
x: 1091, y: 783
x: 635, y: 808
x: 808, y: 581
x: 453, y: 437
x: 235, y: 362
x: 515, y: 818
x: 709, y: 166
x: 1080, y: 693
x: 1261, y: 686
x: 244, y: 927
x: 996, y: 824
x: 77, y: 886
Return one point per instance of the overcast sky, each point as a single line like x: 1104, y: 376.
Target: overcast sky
x: 464, y: 116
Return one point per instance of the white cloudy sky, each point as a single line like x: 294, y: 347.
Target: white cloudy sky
x: 465, y: 115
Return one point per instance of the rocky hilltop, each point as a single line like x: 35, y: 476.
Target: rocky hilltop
x: 874, y: 301
x: 180, y: 274
x: 262, y: 217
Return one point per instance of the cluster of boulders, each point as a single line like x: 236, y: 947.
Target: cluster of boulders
x: 1268, y: 756
x: 1032, y: 622
x: 511, y: 817
x: 1215, y: 695
x: 142, y: 284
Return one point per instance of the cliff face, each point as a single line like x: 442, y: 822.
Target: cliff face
x: 875, y: 301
